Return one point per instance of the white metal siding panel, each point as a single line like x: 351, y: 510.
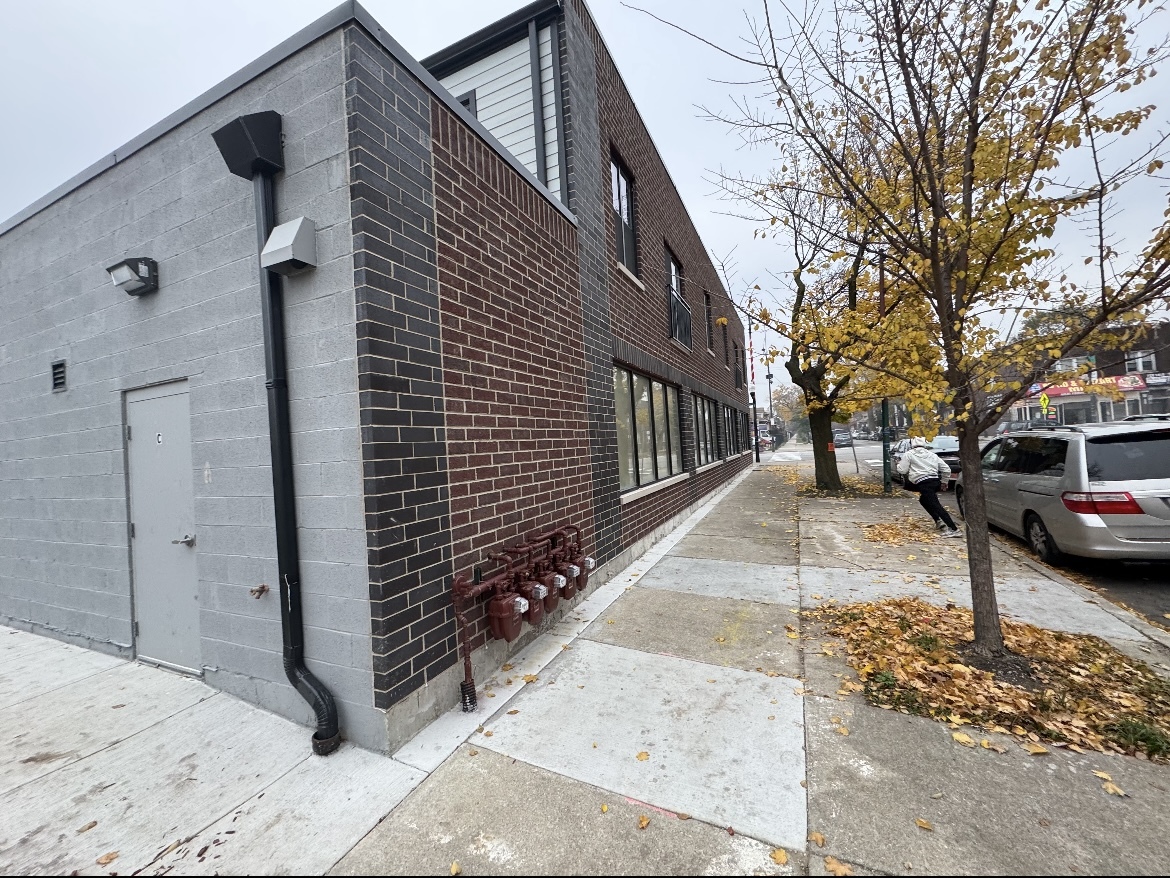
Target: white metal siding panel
x: 503, y: 101
x: 549, y: 100
x: 503, y: 98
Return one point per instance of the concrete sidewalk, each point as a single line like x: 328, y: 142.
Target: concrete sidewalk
x: 678, y: 695
x: 675, y: 693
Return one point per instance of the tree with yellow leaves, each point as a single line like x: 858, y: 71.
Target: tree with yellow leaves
x: 955, y: 137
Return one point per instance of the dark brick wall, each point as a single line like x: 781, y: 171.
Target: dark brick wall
x: 588, y: 186
x: 633, y: 317
x: 400, y: 374
x: 518, y: 435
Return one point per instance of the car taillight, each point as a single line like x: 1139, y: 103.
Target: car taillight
x: 1112, y: 503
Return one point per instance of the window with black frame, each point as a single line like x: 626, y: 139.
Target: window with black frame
x: 678, y: 311
x: 706, y: 430
x: 709, y: 316
x: 623, y: 213
x: 649, y: 442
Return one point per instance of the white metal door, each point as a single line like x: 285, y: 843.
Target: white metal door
x: 162, y: 515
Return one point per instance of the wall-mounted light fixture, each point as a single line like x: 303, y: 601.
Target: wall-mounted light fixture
x: 136, y: 276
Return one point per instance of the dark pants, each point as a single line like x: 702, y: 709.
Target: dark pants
x: 928, y: 496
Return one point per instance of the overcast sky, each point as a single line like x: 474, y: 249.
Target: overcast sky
x: 80, y: 78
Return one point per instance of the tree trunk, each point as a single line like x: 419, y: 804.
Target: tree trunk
x: 988, y: 633
x: 820, y: 422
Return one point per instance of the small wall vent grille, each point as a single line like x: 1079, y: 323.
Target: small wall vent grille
x: 58, y: 375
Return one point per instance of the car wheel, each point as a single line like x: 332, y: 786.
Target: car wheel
x: 959, y: 501
x: 1040, y: 541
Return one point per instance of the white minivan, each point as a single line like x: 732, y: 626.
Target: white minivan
x: 1093, y: 490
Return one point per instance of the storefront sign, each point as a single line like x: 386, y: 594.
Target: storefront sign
x: 1157, y: 378
x: 1083, y: 386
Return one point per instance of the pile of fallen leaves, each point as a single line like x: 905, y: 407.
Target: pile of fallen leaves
x: 899, y: 531
x: 905, y: 653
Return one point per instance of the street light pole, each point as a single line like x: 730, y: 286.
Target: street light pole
x: 771, y: 410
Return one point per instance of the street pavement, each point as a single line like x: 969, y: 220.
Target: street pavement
x: 667, y: 725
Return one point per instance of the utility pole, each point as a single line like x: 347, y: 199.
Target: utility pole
x: 771, y: 404
x: 887, y: 481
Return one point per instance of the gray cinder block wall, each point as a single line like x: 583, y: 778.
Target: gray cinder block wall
x: 64, y: 542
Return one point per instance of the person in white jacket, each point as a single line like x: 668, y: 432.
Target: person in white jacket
x: 923, y: 471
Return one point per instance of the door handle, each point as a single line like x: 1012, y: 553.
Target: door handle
x: 187, y: 540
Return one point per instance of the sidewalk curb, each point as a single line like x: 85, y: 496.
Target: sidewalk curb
x: 1133, y: 620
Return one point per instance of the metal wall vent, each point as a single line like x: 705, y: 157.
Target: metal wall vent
x: 58, y: 375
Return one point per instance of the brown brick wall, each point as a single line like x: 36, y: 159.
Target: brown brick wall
x: 640, y: 316
x: 513, y: 358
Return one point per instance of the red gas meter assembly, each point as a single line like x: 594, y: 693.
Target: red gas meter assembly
x: 535, y: 576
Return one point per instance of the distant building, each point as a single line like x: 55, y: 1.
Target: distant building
x: 1115, y: 383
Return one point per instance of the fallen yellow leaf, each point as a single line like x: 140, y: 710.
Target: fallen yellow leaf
x: 643, y: 756
x: 792, y: 635
x: 963, y: 738
x: 106, y: 859
x: 841, y: 730
x: 643, y: 821
x: 472, y: 752
x: 530, y: 678
x: 1033, y: 748
x: 911, y: 557
x: 681, y: 816
x: 771, y: 717
x: 609, y: 621
x: 780, y: 857
x: 836, y: 867
x: 455, y: 870
x: 719, y: 640
x: 506, y: 667
x: 513, y: 712
x: 817, y: 839
x: 605, y: 809
x: 488, y: 734
x: 1102, y: 775
x: 923, y: 824
x: 987, y: 745
x: 1112, y: 788
x: 87, y: 827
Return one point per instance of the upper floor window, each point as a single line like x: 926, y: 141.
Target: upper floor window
x: 623, y: 214
x: 649, y: 446
x: 710, y: 317
x: 726, y: 348
x: 1075, y: 364
x: 1139, y: 361
x: 678, y: 311
x: 738, y: 360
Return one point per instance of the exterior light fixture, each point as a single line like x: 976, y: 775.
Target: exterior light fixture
x: 135, y: 276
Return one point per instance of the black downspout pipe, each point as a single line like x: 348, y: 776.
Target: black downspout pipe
x: 255, y: 134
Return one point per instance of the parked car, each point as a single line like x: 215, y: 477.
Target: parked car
x: 842, y: 439
x: 946, y: 447
x: 1092, y: 490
